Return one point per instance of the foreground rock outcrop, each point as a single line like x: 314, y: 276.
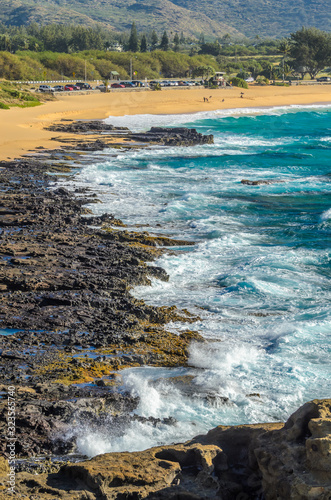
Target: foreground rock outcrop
x: 262, y: 461
x: 296, y: 461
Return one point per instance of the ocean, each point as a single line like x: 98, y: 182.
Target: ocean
x: 258, y: 275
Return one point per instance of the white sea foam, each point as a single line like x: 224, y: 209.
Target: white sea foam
x: 262, y: 293
x: 326, y: 215
x: 138, y: 123
x: 226, y: 387
x: 136, y: 436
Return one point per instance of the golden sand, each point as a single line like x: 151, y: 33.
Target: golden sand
x: 22, y: 129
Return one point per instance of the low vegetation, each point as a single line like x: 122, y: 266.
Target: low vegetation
x: 12, y: 94
x: 95, y: 64
x: 306, y: 52
x: 239, y: 82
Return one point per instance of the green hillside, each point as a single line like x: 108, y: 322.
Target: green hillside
x: 192, y: 17
x: 117, y: 14
x: 265, y: 17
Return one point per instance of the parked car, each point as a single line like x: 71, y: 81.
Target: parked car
x: 58, y: 88
x: 102, y: 88
x: 128, y: 84
x: 69, y: 87
x: 83, y: 86
x: 117, y: 86
x: 138, y: 83
x: 323, y: 79
x: 46, y: 88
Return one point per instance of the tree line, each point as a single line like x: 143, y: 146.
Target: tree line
x: 307, y: 51
x: 99, y: 65
x: 75, y: 38
x: 58, y: 52
x: 152, y: 41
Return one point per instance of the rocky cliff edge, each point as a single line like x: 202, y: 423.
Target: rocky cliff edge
x: 290, y: 461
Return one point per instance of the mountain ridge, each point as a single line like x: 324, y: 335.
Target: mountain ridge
x: 214, y: 18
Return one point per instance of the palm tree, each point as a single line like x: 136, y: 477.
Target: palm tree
x: 284, y: 48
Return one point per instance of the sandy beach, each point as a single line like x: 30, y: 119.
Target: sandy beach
x: 22, y: 130
x: 90, y: 369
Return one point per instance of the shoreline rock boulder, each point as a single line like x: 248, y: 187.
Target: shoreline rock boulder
x: 270, y: 461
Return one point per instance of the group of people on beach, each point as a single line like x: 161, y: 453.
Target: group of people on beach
x: 206, y: 99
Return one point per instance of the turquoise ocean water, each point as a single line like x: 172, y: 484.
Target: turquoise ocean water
x: 258, y: 274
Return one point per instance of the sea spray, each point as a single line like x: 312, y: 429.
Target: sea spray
x: 258, y: 274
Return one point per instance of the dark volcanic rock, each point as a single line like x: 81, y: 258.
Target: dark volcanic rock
x: 156, y: 135
x: 259, y: 182
x: 97, y: 145
x: 173, y: 136
x: 79, y: 127
x: 65, y: 280
x: 179, y: 136
x: 46, y: 423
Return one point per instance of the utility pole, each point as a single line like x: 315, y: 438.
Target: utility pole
x: 85, y: 70
x: 283, y: 68
x: 131, y: 69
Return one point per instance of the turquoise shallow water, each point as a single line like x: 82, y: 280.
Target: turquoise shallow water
x: 258, y: 274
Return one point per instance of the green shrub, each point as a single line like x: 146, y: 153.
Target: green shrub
x: 13, y: 93
x: 156, y: 86
x: 29, y: 104
x: 281, y: 84
x: 243, y: 75
x: 3, y: 105
x: 262, y: 80
x: 25, y: 96
x: 239, y: 82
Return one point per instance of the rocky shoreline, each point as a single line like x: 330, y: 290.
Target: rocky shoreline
x: 66, y: 311
x: 69, y: 325
x: 278, y: 461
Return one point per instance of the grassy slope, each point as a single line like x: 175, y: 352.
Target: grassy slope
x: 13, y: 94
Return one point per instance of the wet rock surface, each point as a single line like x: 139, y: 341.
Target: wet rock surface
x: 173, y: 136
x: 68, y: 321
x: 82, y: 126
x: 262, y: 461
x: 260, y: 182
x: 69, y: 325
x: 179, y: 136
x: 50, y: 416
